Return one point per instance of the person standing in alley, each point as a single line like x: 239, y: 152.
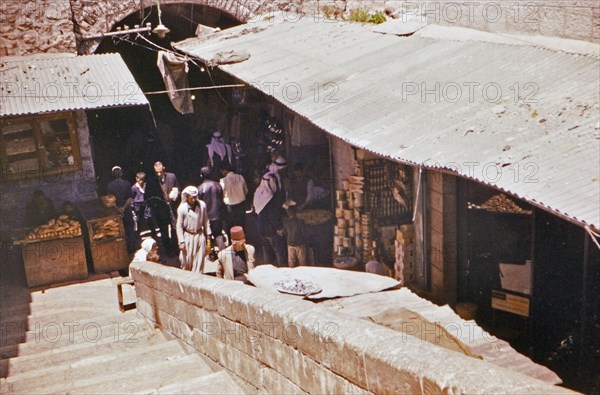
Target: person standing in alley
x: 161, y: 193
x: 143, y: 215
x: 234, y: 196
x: 269, y: 223
x: 40, y: 209
x: 193, y: 230
x: 218, y: 152
x: 121, y: 190
x: 293, y: 229
x: 211, y: 193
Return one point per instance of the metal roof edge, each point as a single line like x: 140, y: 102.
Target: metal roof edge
x: 533, y: 202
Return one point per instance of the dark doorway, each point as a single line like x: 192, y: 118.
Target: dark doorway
x: 136, y: 137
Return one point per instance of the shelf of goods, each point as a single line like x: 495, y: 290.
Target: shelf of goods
x: 107, y: 237
x: 52, y: 253
x: 387, y: 191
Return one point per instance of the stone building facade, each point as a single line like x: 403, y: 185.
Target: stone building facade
x: 29, y: 27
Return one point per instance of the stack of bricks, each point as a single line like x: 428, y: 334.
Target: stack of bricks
x: 405, y: 245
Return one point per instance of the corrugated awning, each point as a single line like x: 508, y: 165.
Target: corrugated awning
x: 32, y: 85
x: 520, y: 118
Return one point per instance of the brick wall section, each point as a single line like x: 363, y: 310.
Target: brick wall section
x: 281, y: 344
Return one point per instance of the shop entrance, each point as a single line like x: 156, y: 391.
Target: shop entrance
x: 135, y: 138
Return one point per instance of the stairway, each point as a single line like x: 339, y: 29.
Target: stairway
x: 74, y: 339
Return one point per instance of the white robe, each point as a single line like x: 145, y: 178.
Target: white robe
x: 192, y: 229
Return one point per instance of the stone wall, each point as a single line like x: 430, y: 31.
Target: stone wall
x: 36, y: 26
x: 32, y: 26
x: 282, y: 344
x: 442, y: 235
x: 572, y: 19
x: 77, y: 186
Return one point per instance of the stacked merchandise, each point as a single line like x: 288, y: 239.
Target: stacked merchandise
x: 366, y: 223
x: 405, y: 243
x: 348, y: 230
x: 387, y: 191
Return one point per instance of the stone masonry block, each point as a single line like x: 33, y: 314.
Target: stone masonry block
x: 278, y: 384
x: 351, y: 356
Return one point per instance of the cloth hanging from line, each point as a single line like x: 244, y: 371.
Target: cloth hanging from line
x: 174, y: 71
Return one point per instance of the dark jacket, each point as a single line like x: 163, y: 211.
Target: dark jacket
x: 212, y: 194
x: 162, y: 208
x: 269, y: 219
x: 121, y: 189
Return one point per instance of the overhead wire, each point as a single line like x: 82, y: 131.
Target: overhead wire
x: 191, y: 60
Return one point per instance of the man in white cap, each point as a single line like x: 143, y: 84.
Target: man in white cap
x: 193, y: 230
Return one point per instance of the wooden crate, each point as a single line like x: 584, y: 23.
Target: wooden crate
x: 54, y: 261
x: 110, y: 255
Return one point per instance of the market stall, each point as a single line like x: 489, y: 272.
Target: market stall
x: 318, y: 232
x: 371, y: 207
x: 106, y: 236
x: 53, y: 252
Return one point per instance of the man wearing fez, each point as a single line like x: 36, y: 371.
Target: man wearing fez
x: 236, y: 260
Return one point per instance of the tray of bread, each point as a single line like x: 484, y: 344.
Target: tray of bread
x: 106, y: 229
x: 61, y: 227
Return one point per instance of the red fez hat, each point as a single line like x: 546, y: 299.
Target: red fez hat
x: 237, y: 233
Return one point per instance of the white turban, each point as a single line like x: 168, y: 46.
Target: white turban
x: 142, y: 253
x: 190, y: 191
x: 148, y: 244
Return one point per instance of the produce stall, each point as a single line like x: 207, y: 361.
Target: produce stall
x: 107, y: 237
x: 53, y: 253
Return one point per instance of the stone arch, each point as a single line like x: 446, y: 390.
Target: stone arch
x: 97, y: 17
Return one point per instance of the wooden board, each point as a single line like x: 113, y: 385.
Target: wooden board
x: 110, y: 255
x: 54, y: 261
x: 511, y: 303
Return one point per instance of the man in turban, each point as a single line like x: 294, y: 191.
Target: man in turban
x: 193, y: 230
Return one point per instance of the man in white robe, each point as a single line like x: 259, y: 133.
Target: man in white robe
x: 193, y: 230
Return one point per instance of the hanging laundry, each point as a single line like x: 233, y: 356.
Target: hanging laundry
x: 174, y: 70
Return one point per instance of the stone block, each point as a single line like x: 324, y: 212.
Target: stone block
x: 278, y: 384
x: 551, y: 21
x: 579, y: 23
x: 391, y: 368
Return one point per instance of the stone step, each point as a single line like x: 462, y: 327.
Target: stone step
x: 31, y: 329
x: 58, y: 334
x: 74, y: 352
x: 171, y: 369
x: 80, y: 316
x: 107, y: 363
x: 43, y: 306
x: 215, y: 383
x: 89, y: 292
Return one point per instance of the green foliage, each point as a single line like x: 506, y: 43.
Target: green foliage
x: 364, y: 15
x: 377, y: 18
x: 359, y: 15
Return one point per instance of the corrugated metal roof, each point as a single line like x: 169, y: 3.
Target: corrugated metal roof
x: 40, y: 85
x: 538, y: 141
